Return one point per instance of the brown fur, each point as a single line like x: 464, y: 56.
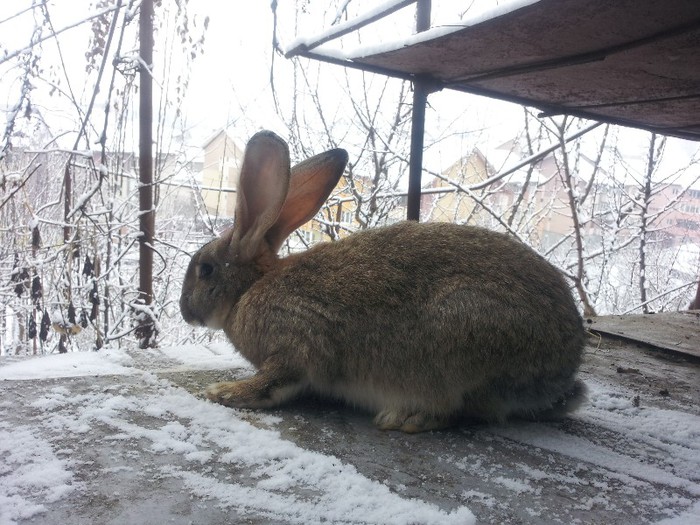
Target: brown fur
x: 419, y: 323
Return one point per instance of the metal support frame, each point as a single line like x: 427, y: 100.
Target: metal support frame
x: 415, y: 168
x: 420, y: 100
x: 421, y: 86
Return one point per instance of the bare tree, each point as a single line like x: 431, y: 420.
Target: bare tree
x: 73, y: 236
x: 656, y: 147
x: 576, y: 199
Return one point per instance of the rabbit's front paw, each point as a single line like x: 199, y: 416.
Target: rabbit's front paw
x: 410, y: 423
x: 268, y: 388
x: 237, y: 394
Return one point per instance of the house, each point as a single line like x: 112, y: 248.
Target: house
x: 678, y: 210
x: 455, y: 206
x: 336, y: 220
x: 221, y: 168
x: 533, y: 200
x: 541, y: 193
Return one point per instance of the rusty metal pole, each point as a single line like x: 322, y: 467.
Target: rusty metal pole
x: 146, y: 326
x: 420, y: 99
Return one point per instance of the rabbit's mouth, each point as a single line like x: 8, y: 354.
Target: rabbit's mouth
x: 212, y: 320
x: 192, y: 320
x: 187, y: 314
x: 195, y: 322
x: 215, y: 321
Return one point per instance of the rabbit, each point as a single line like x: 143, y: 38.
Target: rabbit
x: 420, y: 323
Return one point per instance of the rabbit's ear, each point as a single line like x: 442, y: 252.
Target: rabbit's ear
x: 262, y: 190
x: 311, y: 183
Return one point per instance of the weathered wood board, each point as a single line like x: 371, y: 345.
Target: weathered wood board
x: 673, y: 331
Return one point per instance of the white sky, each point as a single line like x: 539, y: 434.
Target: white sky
x: 230, y: 82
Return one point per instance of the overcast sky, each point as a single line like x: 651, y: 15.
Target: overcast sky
x: 230, y: 82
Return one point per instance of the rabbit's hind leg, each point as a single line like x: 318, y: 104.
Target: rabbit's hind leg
x: 410, y: 422
x: 269, y: 387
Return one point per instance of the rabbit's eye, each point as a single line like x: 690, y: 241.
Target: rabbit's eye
x: 204, y: 270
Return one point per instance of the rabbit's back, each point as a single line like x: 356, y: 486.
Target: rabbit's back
x: 432, y: 316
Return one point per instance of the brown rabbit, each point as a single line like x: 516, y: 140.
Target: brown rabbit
x: 419, y: 323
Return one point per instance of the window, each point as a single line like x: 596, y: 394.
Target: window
x: 310, y: 236
x: 307, y: 235
x: 688, y: 224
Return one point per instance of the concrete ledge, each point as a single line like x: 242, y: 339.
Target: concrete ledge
x: 125, y: 437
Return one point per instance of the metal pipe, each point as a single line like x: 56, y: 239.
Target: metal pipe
x: 146, y: 327
x: 340, y: 30
x: 420, y: 99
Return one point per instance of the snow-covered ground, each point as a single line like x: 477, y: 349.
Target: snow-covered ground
x: 125, y: 437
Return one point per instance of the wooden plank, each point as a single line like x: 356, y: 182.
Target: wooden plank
x: 672, y: 331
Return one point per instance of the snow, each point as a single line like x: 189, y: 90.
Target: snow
x: 32, y: 474
x: 289, y: 482
x: 117, y: 415
x: 692, y: 515
x: 477, y: 16
x: 472, y: 19
x: 214, y: 356
x: 108, y: 362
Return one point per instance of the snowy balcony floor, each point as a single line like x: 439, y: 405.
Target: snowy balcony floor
x: 125, y: 437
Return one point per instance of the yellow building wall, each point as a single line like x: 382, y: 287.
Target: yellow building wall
x: 222, y: 166
x: 456, y: 206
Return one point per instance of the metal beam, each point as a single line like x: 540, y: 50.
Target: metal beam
x: 420, y: 99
